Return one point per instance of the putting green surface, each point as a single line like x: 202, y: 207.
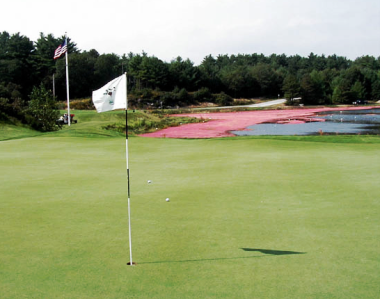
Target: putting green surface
x: 247, y: 218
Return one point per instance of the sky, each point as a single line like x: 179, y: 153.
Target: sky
x: 195, y: 29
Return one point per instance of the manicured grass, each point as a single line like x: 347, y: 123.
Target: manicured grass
x: 247, y: 218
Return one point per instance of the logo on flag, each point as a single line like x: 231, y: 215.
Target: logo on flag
x: 62, y: 49
x: 109, y: 92
x: 111, y: 96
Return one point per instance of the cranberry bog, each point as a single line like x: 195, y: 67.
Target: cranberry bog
x: 222, y: 124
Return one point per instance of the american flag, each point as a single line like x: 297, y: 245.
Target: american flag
x: 62, y: 49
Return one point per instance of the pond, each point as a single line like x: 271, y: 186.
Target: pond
x: 366, y: 121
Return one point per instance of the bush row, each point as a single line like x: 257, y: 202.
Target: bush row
x: 148, y: 98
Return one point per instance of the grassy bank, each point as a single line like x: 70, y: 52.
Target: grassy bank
x: 92, y: 124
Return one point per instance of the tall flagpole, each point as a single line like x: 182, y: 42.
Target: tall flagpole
x: 67, y: 82
x: 129, y: 188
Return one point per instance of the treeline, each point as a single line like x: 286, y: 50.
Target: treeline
x: 25, y: 64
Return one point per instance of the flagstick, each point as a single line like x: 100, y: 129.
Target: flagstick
x: 67, y: 82
x: 111, y: 97
x: 129, y: 188
x: 129, y: 195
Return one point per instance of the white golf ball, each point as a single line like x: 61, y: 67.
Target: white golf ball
x: 149, y: 181
x: 167, y: 199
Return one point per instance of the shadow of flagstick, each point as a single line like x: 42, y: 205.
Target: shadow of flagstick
x: 203, y: 260
x: 273, y: 252
x: 264, y: 251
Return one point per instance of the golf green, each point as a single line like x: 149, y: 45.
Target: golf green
x: 247, y: 218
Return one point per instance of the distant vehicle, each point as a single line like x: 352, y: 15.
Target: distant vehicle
x: 360, y: 102
x: 63, y: 120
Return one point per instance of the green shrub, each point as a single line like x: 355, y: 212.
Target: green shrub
x: 223, y: 99
x: 42, y: 113
x: 61, y: 105
x: 83, y: 104
x: 203, y: 95
x: 169, y: 99
x: 12, y: 109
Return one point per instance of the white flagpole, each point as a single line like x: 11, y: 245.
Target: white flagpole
x: 129, y: 188
x: 67, y: 81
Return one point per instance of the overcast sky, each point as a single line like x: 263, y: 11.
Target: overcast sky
x: 196, y: 28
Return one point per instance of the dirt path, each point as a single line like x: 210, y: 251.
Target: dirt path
x: 263, y: 104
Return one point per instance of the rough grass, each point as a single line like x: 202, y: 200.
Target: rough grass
x: 11, y: 131
x: 110, y: 124
x: 247, y: 218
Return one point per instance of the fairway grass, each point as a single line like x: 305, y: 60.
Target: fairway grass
x: 247, y: 218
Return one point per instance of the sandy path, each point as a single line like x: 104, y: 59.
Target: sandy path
x: 219, y: 124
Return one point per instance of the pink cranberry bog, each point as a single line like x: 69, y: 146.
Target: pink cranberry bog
x: 220, y: 124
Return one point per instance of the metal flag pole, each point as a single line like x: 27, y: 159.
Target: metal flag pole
x: 53, y: 87
x: 67, y: 81
x: 128, y: 175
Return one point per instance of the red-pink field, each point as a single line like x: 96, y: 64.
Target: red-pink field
x: 220, y: 124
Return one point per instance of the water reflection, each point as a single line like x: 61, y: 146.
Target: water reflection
x: 366, y: 121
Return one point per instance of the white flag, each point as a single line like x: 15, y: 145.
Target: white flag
x: 111, y: 96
